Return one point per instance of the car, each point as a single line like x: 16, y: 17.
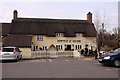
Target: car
x: 111, y: 58
x: 10, y: 53
x: 102, y: 52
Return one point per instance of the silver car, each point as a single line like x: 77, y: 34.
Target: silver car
x: 10, y: 53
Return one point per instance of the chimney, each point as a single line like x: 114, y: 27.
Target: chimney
x: 89, y: 17
x: 15, y: 14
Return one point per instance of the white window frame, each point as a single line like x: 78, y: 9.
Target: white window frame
x: 59, y: 34
x: 59, y: 47
x: 78, y: 46
x: 44, y: 48
x: 39, y: 38
x: 34, y: 48
x: 79, y: 34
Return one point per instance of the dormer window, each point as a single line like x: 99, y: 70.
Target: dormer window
x: 79, y: 35
x: 59, y: 34
x: 40, y: 38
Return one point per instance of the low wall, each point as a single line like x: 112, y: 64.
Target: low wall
x: 26, y: 53
x: 76, y: 54
x: 51, y: 54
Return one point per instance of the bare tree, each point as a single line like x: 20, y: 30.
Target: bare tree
x: 100, y: 19
x: 105, y: 19
x: 100, y: 22
x: 115, y: 31
x: 97, y: 21
x: 117, y: 35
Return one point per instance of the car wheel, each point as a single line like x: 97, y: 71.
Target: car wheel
x: 117, y: 63
x: 17, y: 59
x: 20, y: 57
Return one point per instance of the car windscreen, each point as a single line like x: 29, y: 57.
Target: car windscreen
x: 7, y: 49
x: 117, y: 50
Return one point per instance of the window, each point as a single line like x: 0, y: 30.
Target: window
x: 79, y: 34
x: 8, y: 49
x: 40, y: 38
x: 44, y: 47
x: 35, y: 48
x: 59, y: 34
x: 59, y: 47
x: 78, y: 47
x: 17, y: 49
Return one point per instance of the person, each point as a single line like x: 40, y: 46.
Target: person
x: 95, y: 52
x: 91, y: 53
x: 86, y: 51
x: 82, y: 52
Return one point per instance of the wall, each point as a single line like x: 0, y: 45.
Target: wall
x: 26, y: 52
x: 48, y: 41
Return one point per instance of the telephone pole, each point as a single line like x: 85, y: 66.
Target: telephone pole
x: 102, y: 34
x: 118, y: 37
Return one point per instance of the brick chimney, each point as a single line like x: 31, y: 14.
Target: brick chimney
x: 15, y: 14
x: 89, y: 17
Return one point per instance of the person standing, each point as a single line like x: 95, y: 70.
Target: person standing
x: 86, y: 51
x: 95, y: 52
x: 82, y: 52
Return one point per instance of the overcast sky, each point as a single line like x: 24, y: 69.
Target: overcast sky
x: 69, y: 9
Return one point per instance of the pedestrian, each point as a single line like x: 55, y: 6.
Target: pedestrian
x: 91, y: 53
x: 82, y: 52
x: 86, y: 51
x: 95, y: 52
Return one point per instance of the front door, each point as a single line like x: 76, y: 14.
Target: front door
x: 68, y: 47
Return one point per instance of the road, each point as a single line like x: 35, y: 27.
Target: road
x: 58, y: 68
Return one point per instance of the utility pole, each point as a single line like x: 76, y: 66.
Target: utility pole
x: 118, y: 37
x: 119, y: 25
x: 102, y: 34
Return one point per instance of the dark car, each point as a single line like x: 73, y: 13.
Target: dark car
x: 111, y: 58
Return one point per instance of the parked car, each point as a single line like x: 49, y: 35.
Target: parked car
x: 10, y: 53
x: 111, y: 58
x: 101, y: 53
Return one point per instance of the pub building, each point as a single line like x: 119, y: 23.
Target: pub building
x: 34, y: 34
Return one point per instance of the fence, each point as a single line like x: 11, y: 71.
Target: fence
x: 51, y: 54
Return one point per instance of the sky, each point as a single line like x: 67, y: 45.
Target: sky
x: 61, y: 9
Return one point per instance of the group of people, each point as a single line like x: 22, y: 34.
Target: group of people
x: 88, y: 52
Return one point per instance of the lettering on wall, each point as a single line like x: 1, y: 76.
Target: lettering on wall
x: 68, y: 41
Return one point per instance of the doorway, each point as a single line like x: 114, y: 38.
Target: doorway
x: 68, y: 47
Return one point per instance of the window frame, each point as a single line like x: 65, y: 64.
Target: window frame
x: 39, y: 38
x: 44, y: 48
x: 35, y: 48
x: 59, y: 34
x: 79, y: 34
x: 59, y: 47
x: 78, y: 46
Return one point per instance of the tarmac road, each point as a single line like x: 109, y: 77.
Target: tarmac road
x: 58, y: 68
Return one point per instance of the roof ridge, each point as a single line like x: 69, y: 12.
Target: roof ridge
x: 50, y: 20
